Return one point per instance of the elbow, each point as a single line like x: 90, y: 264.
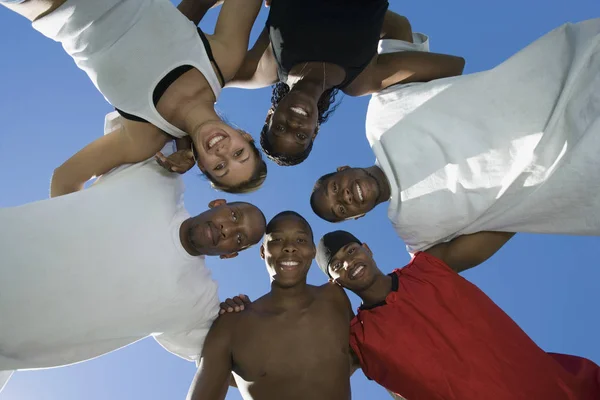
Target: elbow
x: 59, y: 184
x: 460, y: 65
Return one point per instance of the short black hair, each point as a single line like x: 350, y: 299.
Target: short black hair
x: 325, y: 109
x: 288, y: 214
x: 317, y: 186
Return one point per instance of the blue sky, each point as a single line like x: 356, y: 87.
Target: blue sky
x: 49, y: 110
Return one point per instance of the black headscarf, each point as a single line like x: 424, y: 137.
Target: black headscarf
x: 329, y: 245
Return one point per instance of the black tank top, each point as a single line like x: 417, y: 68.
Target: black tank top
x: 341, y: 32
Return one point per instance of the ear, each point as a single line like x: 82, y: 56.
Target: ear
x: 368, y: 249
x: 262, y: 251
x: 342, y: 168
x: 269, y: 115
x: 226, y: 256
x: 217, y: 203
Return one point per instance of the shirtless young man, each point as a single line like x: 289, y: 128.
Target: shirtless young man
x: 292, y: 343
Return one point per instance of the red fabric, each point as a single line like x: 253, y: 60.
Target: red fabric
x: 440, y: 337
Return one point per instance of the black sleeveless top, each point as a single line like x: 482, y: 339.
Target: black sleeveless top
x: 341, y: 32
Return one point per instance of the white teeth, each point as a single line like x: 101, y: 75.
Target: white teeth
x: 298, y: 110
x: 289, y: 263
x: 360, y: 193
x: 215, y: 140
x: 357, y: 271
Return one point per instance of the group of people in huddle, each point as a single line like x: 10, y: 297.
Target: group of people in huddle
x: 464, y: 161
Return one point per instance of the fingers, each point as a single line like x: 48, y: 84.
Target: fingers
x: 267, y: 3
x: 167, y: 164
x: 235, y: 304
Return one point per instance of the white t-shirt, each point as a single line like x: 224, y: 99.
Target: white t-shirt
x: 511, y: 149
x: 90, y: 272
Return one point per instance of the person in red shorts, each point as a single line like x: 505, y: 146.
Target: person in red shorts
x: 426, y: 333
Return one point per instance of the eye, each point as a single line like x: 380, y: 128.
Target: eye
x: 279, y: 128
x: 334, y: 187
x: 239, y: 239
x: 238, y: 153
x: 351, y: 250
x: 301, y: 136
x: 234, y: 216
x: 336, y: 266
x: 300, y: 240
x: 219, y: 167
x: 342, y: 210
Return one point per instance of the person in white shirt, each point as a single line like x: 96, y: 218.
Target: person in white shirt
x: 512, y: 149
x: 89, y: 272
x: 162, y: 74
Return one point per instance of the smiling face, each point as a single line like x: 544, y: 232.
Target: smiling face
x: 224, y: 153
x: 288, y: 249
x: 346, y: 194
x: 227, y: 229
x: 293, y: 124
x: 353, y: 267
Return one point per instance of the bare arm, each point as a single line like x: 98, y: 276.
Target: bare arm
x: 132, y: 142
x: 232, y: 34
x: 397, y: 27
x: 259, y: 68
x: 405, y: 67
x: 212, y: 379
x: 195, y: 10
x: 469, y: 251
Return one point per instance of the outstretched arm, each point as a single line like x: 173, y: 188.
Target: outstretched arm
x: 405, y: 67
x: 469, y: 251
x: 195, y: 10
x: 130, y: 143
x: 212, y: 379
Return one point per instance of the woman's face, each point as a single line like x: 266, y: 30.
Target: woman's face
x: 224, y: 153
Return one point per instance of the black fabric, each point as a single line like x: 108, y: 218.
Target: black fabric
x: 330, y: 244
x: 395, y: 286
x: 341, y: 32
x: 172, y: 76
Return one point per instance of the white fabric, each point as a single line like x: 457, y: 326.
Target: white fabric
x: 126, y: 47
x: 511, y: 149
x: 90, y: 272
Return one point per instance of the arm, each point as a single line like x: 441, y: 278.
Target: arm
x: 195, y: 10
x: 132, y: 142
x: 397, y: 27
x: 259, y: 68
x: 395, y: 396
x: 232, y: 33
x: 405, y: 67
x: 212, y: 379
x: 469, y: 251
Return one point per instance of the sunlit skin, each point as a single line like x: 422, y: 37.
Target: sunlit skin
x: 223, y: 230
x: 288, y: 251
x: 354, y: 268
x: 351, y: 193
x: 294, y: 123
x: 224, y: 153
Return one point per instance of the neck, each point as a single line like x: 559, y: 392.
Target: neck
x: 310, y: 87
x: 198, y: 115
x: 385, y: 191
x: 186, y: 239
x: 377, y: 291
x: 294, y: 297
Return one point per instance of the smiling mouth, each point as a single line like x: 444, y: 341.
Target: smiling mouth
x: 289, y: 265
x: 214, y: 140
x: 299, y: 111
x: 357, y: 271
x: 359, y: 192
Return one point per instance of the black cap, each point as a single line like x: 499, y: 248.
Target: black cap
x: 330, y: 244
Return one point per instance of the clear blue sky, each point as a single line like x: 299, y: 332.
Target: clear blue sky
x: 49, y: 110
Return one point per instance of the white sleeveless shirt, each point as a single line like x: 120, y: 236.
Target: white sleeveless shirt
x: 127, y: 47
